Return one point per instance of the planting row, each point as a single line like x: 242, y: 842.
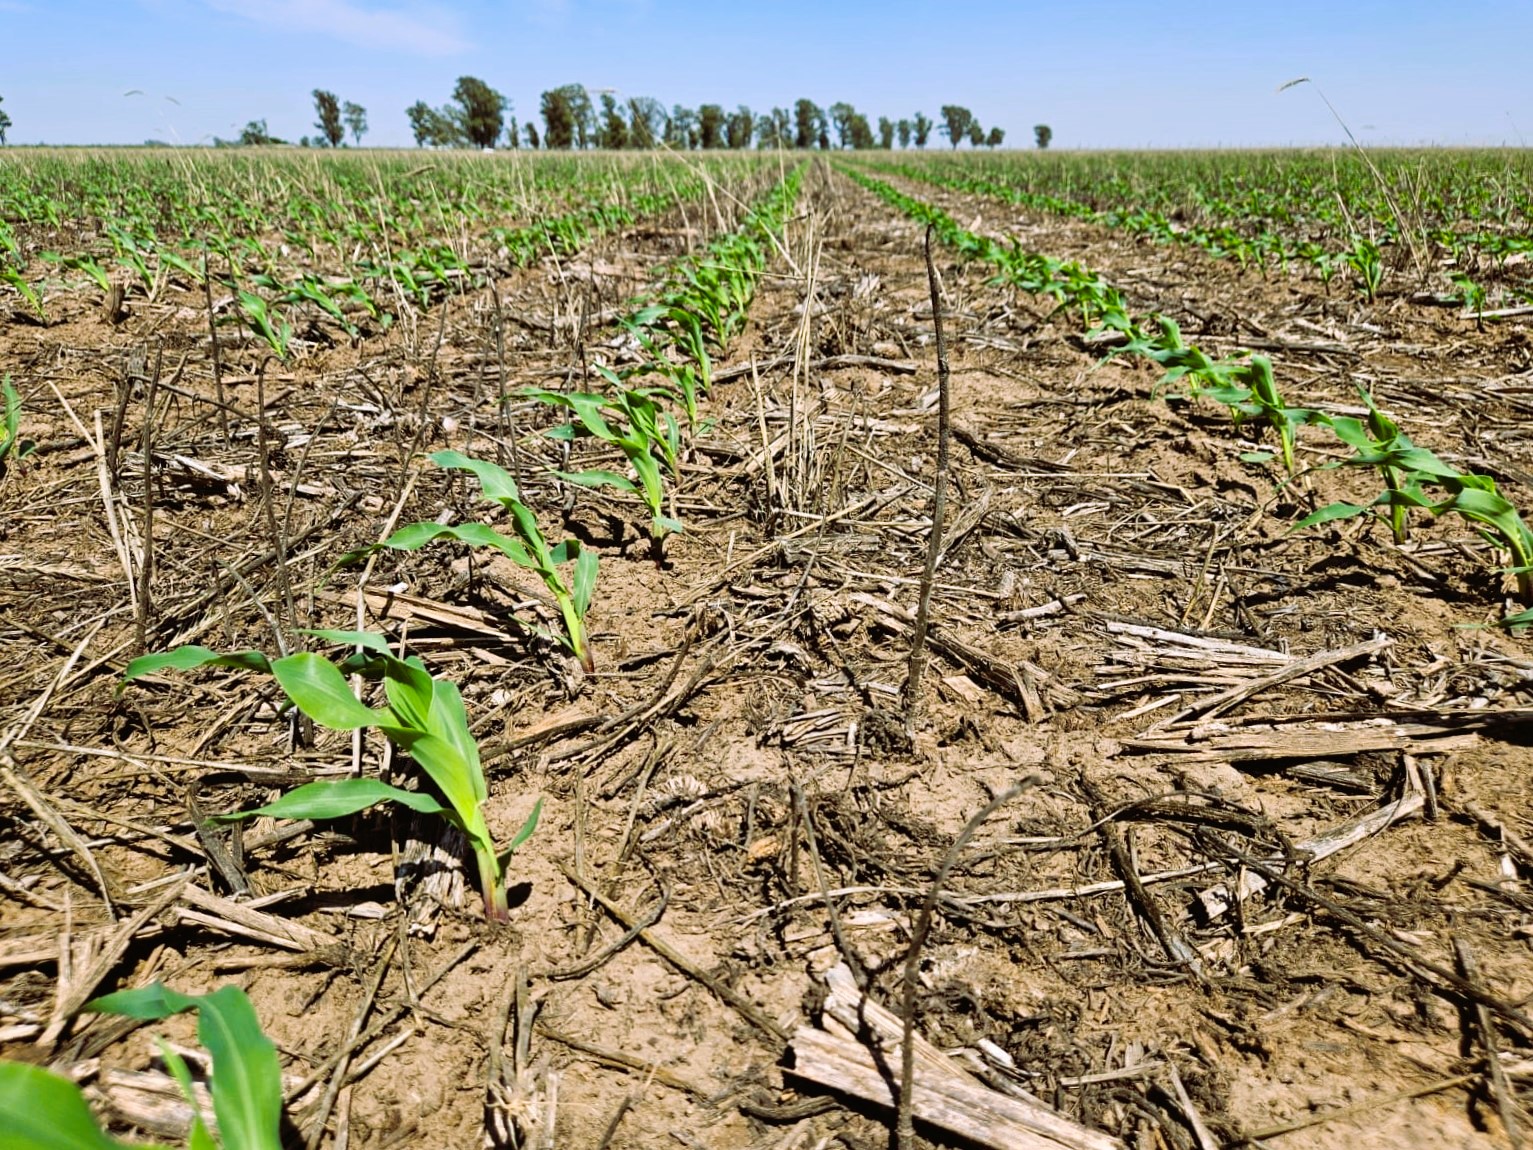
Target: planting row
x: 699, y: 306
x: 1454, y: 219
x: 343, y: 239
x: 701, y: 303
x: 1413, y: 478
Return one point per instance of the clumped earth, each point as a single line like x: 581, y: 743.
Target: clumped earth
x: 1191, y: 701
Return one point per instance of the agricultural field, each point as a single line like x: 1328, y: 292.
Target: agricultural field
x: 608, y: 650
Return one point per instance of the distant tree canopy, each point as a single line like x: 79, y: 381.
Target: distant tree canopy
x: 474, y: 117
x: 255, y: 134
x: 432, y: 127
x: 683, y: 132
x: 569, y: 117
x: 355, y: 116
x: 5, y: 123
x: 922, y: 127
x: 774, y: 129
x: 808, y: 123
x: 710, y: 126
x: 558, y: 119
x: 1042, y: 134
x: 956, y: 122
x: 478, y: 116
x: 614, y: 127
x: 478, y: 110
x: 328, y: 108
x: 740, y: 127
x: 647, y: 121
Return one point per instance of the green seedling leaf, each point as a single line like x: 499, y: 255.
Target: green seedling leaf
x: 190, y: 657
x: 335, y: 799
x: 41, y: 1111
x: 417, y: 535
x: 1330, y: 514
x: 598, y: 478
x: 368, y: 640
x: 458, y: 778
x: 247, y: 1078
x: 199, y: 1138
x: 495, y: 482
x: 318, y: 689
x: 529, y: 825
x: 585, y: 581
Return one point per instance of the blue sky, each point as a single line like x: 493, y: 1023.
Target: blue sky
x: 1109, y: 73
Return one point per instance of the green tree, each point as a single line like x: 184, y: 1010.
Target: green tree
x: 976, y: 134
x: 431, y: 127
x: 513, y: 134
x: 255, y: 134
x: 5, y: 123
x: 479, y: 111
x: 808, y: 123
x: 328, y: 109
x: 903, y: 130
x: 355, y: 116
x: 921, y: 127
x: 1042, y: 134
x: 841, y: 114
x: 531, y: 132
x: 558, y: 119
x: 710, y: 126
x: 885, y: 133
x: 774, y: 129
x: 996, y: 137
x: 613, y: 133
x: 646, y: 122
x: 861, y: 132
x: 682, y: 132
x: 574, y: 123
x: 955, y: 123
x: 740, y: 127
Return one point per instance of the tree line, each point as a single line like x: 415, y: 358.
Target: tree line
x: 478, y: 116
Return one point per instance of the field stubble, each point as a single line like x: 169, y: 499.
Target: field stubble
x: 1120, y: 613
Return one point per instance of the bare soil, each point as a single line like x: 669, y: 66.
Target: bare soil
x: 737, y: 776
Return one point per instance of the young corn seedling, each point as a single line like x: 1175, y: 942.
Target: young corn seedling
x: 1253, y: 393
x: 41, y: 1111
x: 424, y: 717
x: 11, y: 443
x: 12, y: 276
x: 1365, y: 258
x: 635, y: 424
x: 276, y: 331
x: 1378, y: 442
x: 1475, y: 498
x: 649, y: 327
x: 528, y: 549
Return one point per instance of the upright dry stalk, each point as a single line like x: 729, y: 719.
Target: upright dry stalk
x: 508, y: 432
x: 218, y: 363
x: 146, y: 554
x: 904, y: 1127
x: 278, y: 541
x: 939, y: 502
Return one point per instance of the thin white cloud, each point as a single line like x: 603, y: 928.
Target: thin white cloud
x: 13, y: 7
x: 418, y: 30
